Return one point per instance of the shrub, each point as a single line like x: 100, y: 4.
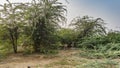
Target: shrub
x: 111, y: 50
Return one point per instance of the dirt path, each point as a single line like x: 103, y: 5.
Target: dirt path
x: 34, y: 61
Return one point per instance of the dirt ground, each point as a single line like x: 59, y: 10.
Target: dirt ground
x: 64, y: 59
x: 34, y: 60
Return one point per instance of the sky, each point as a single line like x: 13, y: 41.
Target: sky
x: 108, y: 10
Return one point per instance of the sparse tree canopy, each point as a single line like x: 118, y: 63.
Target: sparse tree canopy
x: 87, y: 26
x: 11, y: 19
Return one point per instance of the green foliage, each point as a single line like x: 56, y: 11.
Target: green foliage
x: 35, y: 23
x: 35, y: 28
x: 93, y: 41
x: 102, y: 46
x: 89, y: 31
x: 111, y: 50
x: 5, y: 46
x: 102, y: 64
x: 87, y: 26
x: 114, y: 36
x: 44, y: 16
x: 67, y: 36
x: 10, y: 17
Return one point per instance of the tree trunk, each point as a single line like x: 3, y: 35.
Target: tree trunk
x: 36, y: 48
x: 15, y: 48
x: 13, y: 38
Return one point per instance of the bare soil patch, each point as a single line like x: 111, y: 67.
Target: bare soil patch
x: 34, y: 60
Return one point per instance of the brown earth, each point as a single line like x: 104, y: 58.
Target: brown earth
x: 34, y: 60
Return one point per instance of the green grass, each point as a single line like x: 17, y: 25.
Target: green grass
x: 88, y: 61
x: 101, y: 64
x: 83, y: 63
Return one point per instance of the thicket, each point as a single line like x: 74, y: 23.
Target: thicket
x: 35, y: 27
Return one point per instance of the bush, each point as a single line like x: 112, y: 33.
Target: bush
x: 92, y: 42
x: 111, y: 50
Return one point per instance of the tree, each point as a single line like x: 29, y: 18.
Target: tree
x: 88, y: 26
x: 44, y: 17
x: 11, y: 18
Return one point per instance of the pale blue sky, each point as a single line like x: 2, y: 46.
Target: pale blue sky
x: 109, y: 10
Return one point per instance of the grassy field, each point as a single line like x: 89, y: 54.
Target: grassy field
x: 64, y: 59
